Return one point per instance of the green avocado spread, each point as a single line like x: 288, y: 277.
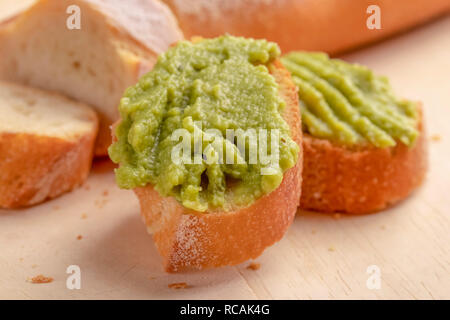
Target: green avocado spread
x: 206, y: 88
x: 348, y: 104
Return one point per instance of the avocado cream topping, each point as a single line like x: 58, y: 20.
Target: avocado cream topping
x: 348, y: 104
x: 206, y: 88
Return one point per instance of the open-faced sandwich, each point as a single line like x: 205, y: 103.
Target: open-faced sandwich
x: 210, y: 142
x: 364, y: 148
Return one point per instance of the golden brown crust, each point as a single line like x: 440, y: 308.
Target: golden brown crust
x: 35, y: 168
x: 326, y: 25
x: 336, y: 179
x: 190, y: 240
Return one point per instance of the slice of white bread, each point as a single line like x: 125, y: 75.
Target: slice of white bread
x: 118, y: 42
x: 187, y: 239
x: 46, y: 144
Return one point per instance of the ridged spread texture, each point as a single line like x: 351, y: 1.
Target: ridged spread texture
x: 349, y: 104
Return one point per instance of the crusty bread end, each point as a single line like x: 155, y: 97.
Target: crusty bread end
x: 46, y: 145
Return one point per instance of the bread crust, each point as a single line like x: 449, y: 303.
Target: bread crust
x: 363, y: 180
x: 190, y: 240
x: 326, y: 25
x: 34, y: 168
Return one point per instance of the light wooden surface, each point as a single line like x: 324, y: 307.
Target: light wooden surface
x: 321, y: 256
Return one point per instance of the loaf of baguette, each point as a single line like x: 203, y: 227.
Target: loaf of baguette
x: 46, y: 145
x: 89, y: 50
x: 319, y: 25
x: 187, y: 239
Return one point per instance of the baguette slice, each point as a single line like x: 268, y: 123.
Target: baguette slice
x: 46, y: 145
x: 363, y: 180
x: 118, y: 41
x: 313, y: 25
x: 192, y: 240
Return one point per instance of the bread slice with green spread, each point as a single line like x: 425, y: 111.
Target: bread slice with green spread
x: 225, y: 211
x: 46, y: 145
x: 364, y: 148
x: 89, y: 50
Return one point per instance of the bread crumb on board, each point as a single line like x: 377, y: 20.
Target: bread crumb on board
x: 178, y: 285
x: 40, y: 279
x: 254, y: 266
x: 331, y: 249
x: 79, y: 237
x: 337, y: 215
x: 436, y: 137
x: 105, y: 193
x: 84, y: 216
x: 100, y: 203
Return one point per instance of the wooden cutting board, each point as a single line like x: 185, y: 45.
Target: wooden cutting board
x: 322, y: 256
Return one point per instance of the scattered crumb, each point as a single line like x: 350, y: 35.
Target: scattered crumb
x: 179, y: 285
x: 383, y: 227
x: 87, y: 187
x: 254, y: 266
x: 100, y: 203
x: 436, y: 137
x: 337, y: 215
x: 313, y: 231
x: 34, y: 266
x: 56, y: 207
x: 40, y: 279
x: 151, y: 278
x: 105, y: 193
x: 79, y: 237
x: 84, y: 216
x: 331, y: 249
x: 21, y: 259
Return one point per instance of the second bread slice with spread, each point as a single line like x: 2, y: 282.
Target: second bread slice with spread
x: 364, y: 148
